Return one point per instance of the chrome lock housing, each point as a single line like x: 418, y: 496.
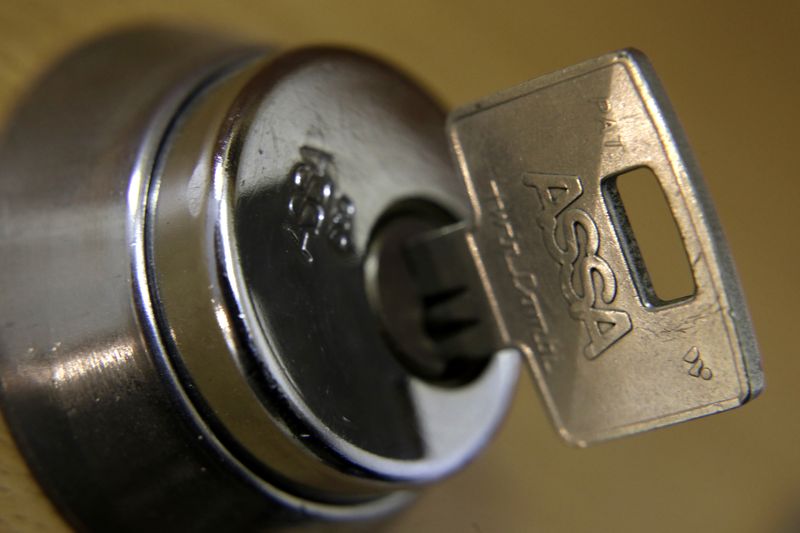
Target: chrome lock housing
x: 247, y: 289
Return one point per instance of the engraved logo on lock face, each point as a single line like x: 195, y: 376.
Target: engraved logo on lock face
x: 316, y: 209
x: 587, y: 281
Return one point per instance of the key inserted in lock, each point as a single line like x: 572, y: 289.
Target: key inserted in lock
x: 548, y: 264
x: 231, y: 232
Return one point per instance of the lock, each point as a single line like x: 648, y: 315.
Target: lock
x: 246, y: 288
x: 199, y: 349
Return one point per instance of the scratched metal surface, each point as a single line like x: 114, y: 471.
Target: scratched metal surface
x: 729, y: 72
x: 568, y: 283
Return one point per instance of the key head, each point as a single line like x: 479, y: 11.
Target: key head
x: 565, y: 282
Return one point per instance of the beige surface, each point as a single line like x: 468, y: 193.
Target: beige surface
x: 732, y: 71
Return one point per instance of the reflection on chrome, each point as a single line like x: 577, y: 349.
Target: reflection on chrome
x: 224, y: 324
x: 81, y: 364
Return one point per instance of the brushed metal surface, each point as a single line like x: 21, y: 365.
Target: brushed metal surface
x: 88, y: 388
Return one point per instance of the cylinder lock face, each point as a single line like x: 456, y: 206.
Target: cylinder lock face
x: 268, y: 192
x: 246, y: 289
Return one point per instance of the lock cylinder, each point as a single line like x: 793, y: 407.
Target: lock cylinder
x: 189, y: 283
x: 268, y: 191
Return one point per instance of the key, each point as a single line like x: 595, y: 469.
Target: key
x: 563, y: 282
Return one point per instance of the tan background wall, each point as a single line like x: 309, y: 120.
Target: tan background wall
x: 732, y: 71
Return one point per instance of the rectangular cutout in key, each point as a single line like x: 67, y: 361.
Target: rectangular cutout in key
x: 649, y: 237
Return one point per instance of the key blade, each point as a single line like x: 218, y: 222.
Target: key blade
x: 536, y: 160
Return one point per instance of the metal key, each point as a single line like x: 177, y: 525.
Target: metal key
x: 563, y: 281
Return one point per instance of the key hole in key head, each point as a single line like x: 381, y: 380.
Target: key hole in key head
x: 649, y: 236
